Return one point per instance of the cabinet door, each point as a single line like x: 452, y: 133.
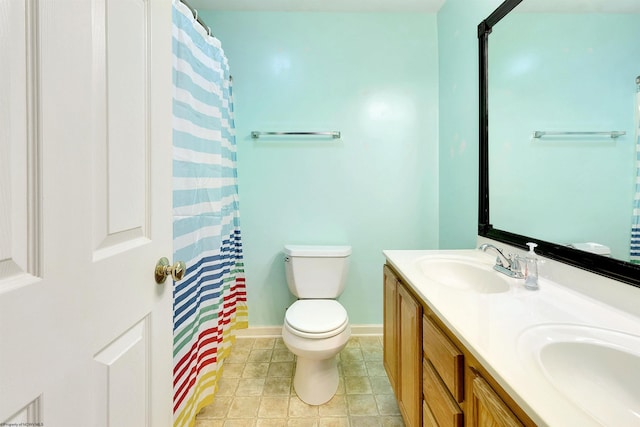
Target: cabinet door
x: 486, y: 409
x: 427, y: 417
x: 410, y: 349
x: 390, y: 330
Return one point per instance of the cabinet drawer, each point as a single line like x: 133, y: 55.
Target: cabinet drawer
x: 445, y: 357
x: 444, y: 409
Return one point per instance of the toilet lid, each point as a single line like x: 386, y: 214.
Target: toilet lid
x: 316, y: 315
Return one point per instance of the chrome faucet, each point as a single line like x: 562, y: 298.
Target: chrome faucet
x: 505, y: 264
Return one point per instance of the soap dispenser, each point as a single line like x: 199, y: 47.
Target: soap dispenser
x: 531, y: 268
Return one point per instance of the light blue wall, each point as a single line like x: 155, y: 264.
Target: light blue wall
x: 458, y: 127
x: 374, y: 77
x: 403, y: 90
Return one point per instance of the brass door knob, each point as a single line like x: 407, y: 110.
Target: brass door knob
x: 164, y: 268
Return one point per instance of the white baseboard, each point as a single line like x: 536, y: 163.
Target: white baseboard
x: 276, y: 331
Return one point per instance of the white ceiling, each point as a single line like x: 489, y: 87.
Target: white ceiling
x: 430, y: 6
x: 580, y: 6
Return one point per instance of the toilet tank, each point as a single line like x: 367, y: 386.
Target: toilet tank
x: 318, y: 272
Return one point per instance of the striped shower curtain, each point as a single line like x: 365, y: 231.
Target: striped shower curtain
x: 210, y: 302
x: 635, y: 227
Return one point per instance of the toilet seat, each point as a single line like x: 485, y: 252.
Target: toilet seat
x: 316, y: 318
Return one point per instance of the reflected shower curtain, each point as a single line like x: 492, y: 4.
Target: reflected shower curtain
x: 210, y: 302
x: 635, y: 227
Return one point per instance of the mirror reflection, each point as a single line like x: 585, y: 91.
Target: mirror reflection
x: 558, y: 71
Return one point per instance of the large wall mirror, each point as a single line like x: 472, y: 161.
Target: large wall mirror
x: 558, y: 130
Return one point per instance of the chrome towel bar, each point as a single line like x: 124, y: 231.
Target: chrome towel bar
x: 257, y: 134
x: 613, y: 134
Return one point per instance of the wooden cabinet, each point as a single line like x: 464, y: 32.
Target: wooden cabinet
x: 437, y: 381
x: 403, y: 347
x: 390, y: 327
x: 486, y: 408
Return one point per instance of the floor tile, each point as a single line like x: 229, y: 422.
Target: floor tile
x: 277, y: 386
x: 264, y: 343
x: 354, y: 368
x: 274, y: 407
x: 334, y: 422
x: 244, y: 407
x: 255, y: 370
x: 218, y: 409
x: 280, y: 369
x: 299, y: 409
x: 227, y: 386
x: 365, y: 421
x: 387, y: 404
x: 362, y: 404
x: 250, y: 387
x: 260, y: 355
x: 268, y: 422
x: 205, y: 422
x: 336, y: 406
x: 357, y: 385
x: 256, y: 389
x: 232, y: 370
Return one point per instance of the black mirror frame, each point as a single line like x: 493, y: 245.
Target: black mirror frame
x: 615, y: 269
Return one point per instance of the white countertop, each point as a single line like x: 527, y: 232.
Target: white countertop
x: 491, y: 327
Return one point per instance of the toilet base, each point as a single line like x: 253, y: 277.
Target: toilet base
x: 316, y: 376
x: 316, y: 381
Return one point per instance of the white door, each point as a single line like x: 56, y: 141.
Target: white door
x: 85, y: 212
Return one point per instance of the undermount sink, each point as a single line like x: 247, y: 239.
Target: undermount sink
x: 597, y: 369
x: 463, y: 273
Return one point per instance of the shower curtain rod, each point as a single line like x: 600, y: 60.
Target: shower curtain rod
x: 194, y: 12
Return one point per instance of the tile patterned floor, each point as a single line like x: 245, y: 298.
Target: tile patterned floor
x: 256, y: 389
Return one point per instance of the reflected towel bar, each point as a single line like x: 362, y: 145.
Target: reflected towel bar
x: 613, y: 134
x: 332, y: 134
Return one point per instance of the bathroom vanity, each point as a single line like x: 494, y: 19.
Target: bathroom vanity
x: 467, y: 346
x: 432, y: 373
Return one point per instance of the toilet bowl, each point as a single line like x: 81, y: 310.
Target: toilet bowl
x: 316, y: 341
x: 316, y: 328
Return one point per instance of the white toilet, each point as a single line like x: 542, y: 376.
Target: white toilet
x: 316, y: 327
